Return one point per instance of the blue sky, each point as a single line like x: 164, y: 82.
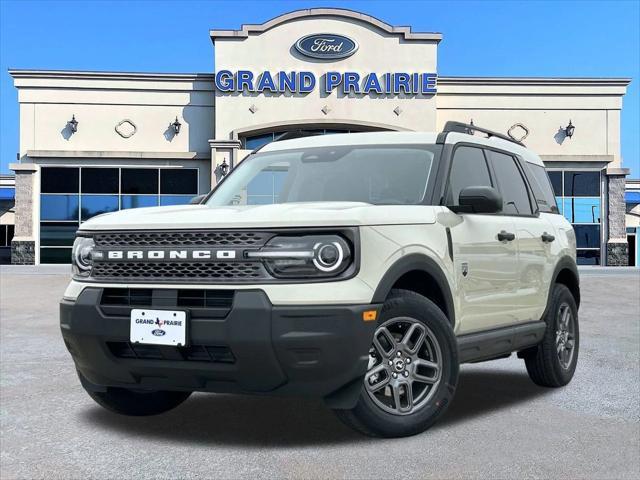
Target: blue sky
x: 502, y: 38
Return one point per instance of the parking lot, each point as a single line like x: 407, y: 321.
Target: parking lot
x: 500, y: 424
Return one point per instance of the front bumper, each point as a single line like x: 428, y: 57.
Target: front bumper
x: 253, y: 347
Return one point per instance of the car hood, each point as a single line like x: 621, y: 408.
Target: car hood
x: 317, y: 214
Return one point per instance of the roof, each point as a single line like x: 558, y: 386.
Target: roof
x: 398, y: 138
x: 401, y: 31
x: 353, y: 139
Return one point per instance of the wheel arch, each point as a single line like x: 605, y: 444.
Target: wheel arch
x: 421, y: 274
x: 566, y: 273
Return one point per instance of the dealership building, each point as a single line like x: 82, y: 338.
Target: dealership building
x: 95, y: 142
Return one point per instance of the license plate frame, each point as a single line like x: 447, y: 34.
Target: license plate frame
x: 158, y: 327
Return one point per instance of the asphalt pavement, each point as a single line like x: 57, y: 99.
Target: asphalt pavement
x: 500, y: 424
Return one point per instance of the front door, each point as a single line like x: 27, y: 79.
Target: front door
x: 484, y: 254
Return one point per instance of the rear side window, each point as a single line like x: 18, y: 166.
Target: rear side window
x: 541, y: 187
x: 515, y: 195
x: 469, y: 169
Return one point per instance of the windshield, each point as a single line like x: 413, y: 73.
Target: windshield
x: 375, y: 174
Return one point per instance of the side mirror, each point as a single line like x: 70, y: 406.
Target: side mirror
x: 479, y: 200
x: 197, y: 200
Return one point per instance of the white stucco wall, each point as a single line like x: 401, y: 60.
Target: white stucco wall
x: 272, y: 50
x: 545, y: 107
x: 100, y: 101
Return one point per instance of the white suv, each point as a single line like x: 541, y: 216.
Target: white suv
x: 359, y: 268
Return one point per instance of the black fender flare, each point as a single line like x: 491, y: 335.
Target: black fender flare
x: 419, y: 262
x: 565, y: 263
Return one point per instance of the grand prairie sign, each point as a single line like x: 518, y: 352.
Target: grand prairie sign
x: 389, y: 83
x: 326, y: 46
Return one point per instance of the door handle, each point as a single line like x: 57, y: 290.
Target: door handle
x: 505, y: 236
x: 547, y: 238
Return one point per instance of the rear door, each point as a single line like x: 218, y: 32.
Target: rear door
x: 534, y: 236
x: 485, y: 267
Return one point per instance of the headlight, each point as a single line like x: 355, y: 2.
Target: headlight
x: 305, y: 257
x: 81, y: 256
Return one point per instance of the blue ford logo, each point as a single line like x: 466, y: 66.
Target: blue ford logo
x: 158, y: 333
x: 326, y: 46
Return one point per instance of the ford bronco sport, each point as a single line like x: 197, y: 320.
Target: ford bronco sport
x: 369, y: 267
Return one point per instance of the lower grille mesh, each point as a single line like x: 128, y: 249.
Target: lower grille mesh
x: 193, y: 353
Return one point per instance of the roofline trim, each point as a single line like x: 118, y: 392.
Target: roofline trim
x: 18, y: 73
x: 609, y: 81
x: 247, y: 29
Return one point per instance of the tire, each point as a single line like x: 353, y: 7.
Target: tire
x: 544, y: 363
x: 138, y: 404
x: 425, y: 350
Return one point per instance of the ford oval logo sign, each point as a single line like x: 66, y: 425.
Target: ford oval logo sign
x: 326, y: 46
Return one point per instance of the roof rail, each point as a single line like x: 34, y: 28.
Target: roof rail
x: 460, y: 127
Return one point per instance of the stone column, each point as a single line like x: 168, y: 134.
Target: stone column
x: 617, y: 246
x: 222, y: 151
x: 23, y: 245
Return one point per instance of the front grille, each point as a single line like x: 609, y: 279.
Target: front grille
x: 179, y: 271
x: 234, y: 268
x: 192, y: 353
x: 219, y: 239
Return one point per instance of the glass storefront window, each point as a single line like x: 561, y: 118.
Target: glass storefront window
x: 70, y: 195
x: 588, y: 257
x: 556, y: 182
x: 93, y: 205
x: 582, y: 209
x: 100, y: 180
x: 257, y: 141
x: 166, y: 200
x: 59, y: 180
x: 58, y: 234
x: 139, y: 180
x: 55, y: 255
x: 578, y: 197
x: 179, y: 182
x: 137, y: 201
x: 581, y: 184
x: 59, y: 207
x: 587, y: 236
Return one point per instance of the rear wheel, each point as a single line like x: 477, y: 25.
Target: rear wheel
x: 553, y: 362
x: 413, y: 369
x: 138, y: 403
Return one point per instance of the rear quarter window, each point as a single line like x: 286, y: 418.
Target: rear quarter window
x: 541, y: 186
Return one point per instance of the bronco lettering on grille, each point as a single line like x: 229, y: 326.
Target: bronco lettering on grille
x: 165, y: 254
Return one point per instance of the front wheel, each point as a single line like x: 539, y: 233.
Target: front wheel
x: 412, y: 373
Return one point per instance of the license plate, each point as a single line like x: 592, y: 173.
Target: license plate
x: 158, y: 327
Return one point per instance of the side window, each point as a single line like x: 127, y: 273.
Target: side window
x: 541, y: 186
x: 514, y: 191
x: 469, y: 169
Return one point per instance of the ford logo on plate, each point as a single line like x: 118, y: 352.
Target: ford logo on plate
x: 158, y: 333
x: 327, y: 46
